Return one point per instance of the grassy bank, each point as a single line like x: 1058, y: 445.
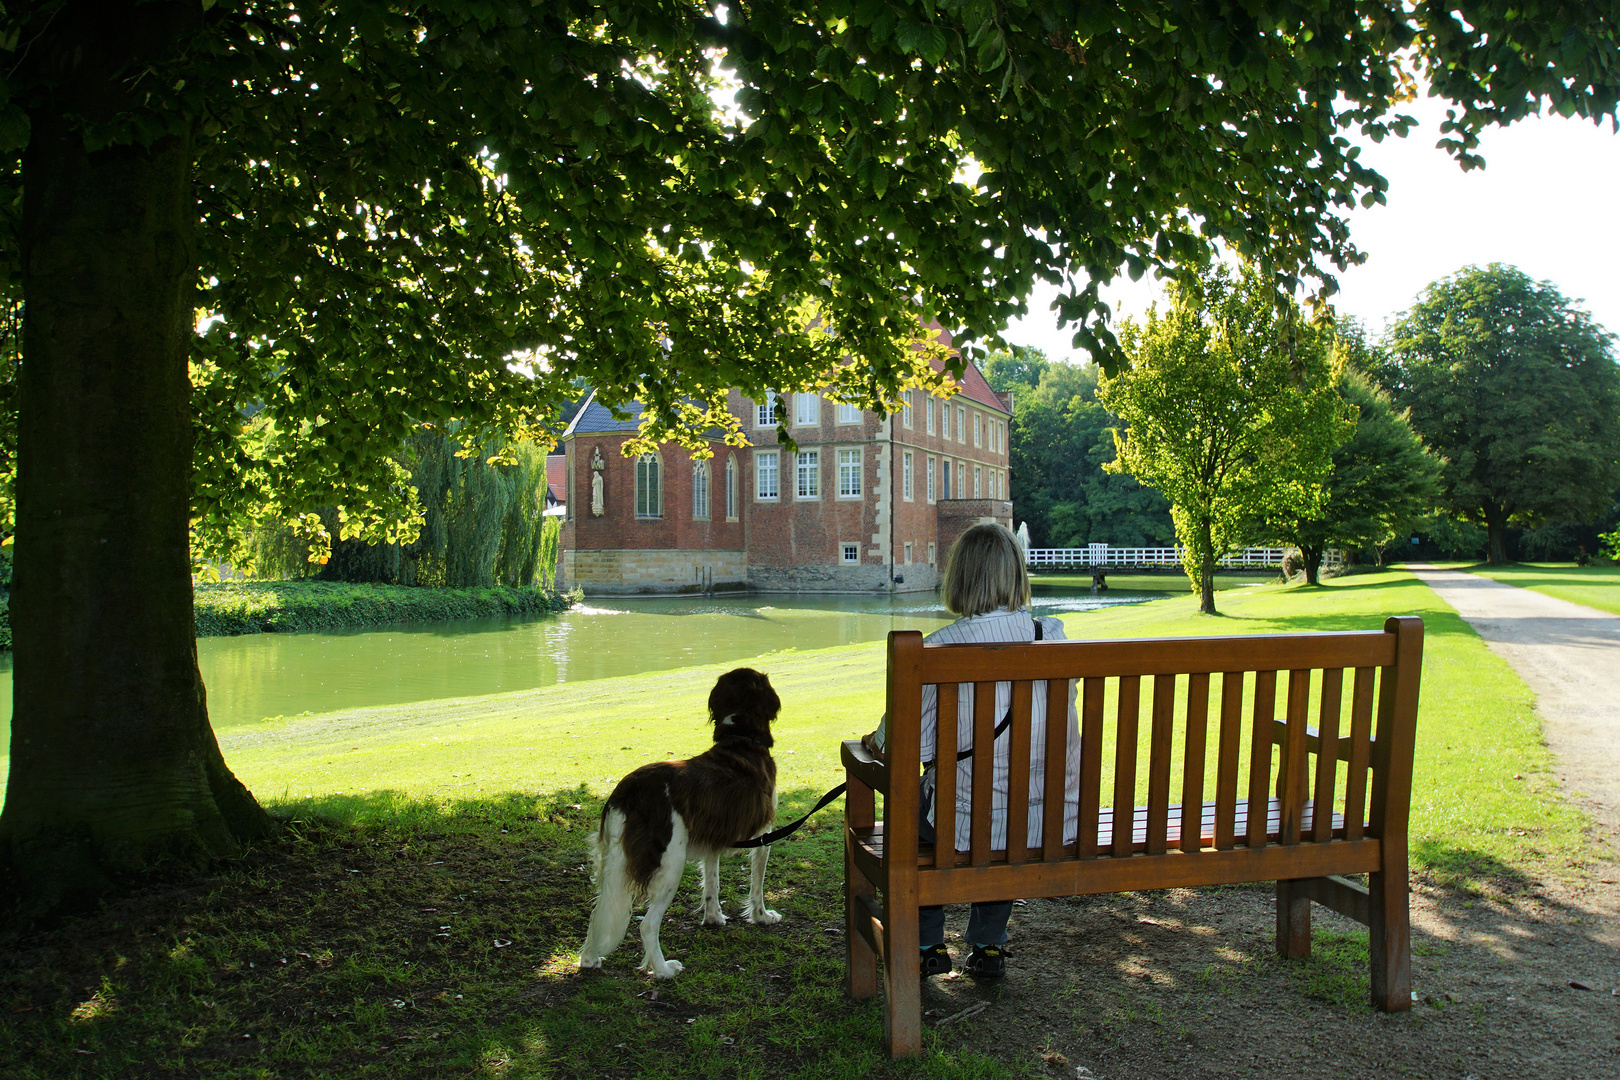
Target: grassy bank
x: 1596, y: 586
x: 262, y: 607
x: 421, y: 917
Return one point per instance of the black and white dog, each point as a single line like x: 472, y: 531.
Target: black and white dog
x: 669, y: 813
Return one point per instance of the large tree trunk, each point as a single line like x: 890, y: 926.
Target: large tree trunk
x: 113, y: 763
x: 1496, y: 520
x: 1311, y: 556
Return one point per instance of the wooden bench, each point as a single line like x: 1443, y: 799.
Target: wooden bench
x: 1318, y: 822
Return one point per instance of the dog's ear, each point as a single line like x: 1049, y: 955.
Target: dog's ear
x: 744, y: 696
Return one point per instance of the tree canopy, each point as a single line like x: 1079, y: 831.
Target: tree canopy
x: 262, y: 241
x: 1380, y: 481
x: 1517, y: 390
x: 1214, y: 419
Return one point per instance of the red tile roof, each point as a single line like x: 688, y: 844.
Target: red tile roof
x: 557, y: 475
x: 973, y: 385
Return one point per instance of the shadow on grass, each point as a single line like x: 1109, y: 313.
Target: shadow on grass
x: 383, y: 935
x: 389, y: 936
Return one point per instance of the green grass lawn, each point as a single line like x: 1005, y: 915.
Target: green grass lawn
x: 1596, y: 586
x: 1165, y: 581
x: 422, y: 915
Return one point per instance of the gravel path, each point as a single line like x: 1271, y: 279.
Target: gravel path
x: 1569, y: 655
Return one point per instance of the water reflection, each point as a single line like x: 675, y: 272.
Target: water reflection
x: 253, y: 677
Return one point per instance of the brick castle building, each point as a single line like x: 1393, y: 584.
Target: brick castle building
x: 863, y: 505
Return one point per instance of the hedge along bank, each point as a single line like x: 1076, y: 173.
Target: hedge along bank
x: 255, y: 607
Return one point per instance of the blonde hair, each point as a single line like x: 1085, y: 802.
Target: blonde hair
x: 985, y: 572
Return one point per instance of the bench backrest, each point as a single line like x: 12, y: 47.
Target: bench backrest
x: 1359, y: 688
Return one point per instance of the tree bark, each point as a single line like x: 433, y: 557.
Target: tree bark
x: 1206, y: 572
x: 1495, y: 533
x: 114, y: 766
x: 1311, y: 556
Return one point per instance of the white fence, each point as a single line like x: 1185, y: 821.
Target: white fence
x: 1255, y: 558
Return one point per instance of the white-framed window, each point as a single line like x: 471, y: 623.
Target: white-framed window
x: 849, y: 414
x: 928, y: 413
x: 849, y: 474
x: 977, y: 481
x: 1001, y: 437
x: 731, y: 487
x: 945, y: 490
x: 961, y: 424
x: 978, y: 429
x: 930, y: 479
x: 767, y: 474
x: 849, y: 553
x: 995, y: 484
x: 905, y: 408
x: 807, y: 409
x: 908, y: 552
x: 905, y: 472
x: 961, y: 480
x: 930, y: 555
x: 765, y: 412
x: 809, y: 474
x: 649, y: 487
x: 700, y: 489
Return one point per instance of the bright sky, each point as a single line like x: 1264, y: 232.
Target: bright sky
x: 1548, y: 202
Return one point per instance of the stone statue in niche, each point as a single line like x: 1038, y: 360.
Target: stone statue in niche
x: 597, y: 465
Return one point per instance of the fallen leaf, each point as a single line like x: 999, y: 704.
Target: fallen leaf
x: 1578, y: 985
x: 1150, y: 922
x: 501, y: 943
x: 650, y: 995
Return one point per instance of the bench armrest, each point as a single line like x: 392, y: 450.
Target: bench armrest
x: 861, y: 765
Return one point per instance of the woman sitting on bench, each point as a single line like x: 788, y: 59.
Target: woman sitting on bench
x: 987, y: 587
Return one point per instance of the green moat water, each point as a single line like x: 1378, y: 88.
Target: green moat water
x: 259, y: 676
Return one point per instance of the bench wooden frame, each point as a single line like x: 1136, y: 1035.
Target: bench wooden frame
x: 889, y: 872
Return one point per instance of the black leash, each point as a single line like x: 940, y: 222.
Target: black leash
x: 766, y: 839
x: 769, y: 838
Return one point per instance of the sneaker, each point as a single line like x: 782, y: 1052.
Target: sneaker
x: 936, y: 960
x: 987, y: 962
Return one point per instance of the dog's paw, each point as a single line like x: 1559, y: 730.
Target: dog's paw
x: 714, y: 919
x: 590, y: 962
x: 667, y: 970
x: 764, y: 918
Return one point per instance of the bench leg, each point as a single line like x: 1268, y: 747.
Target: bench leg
x: 902, y: 982
x: 1389, y: 939
x: 1293, y: 921
x: 861, y: 960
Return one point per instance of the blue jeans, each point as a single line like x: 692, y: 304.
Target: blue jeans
x: 987, y: 924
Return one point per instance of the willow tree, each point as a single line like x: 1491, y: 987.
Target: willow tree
x: 1229, y: 410
x: 405, y: 212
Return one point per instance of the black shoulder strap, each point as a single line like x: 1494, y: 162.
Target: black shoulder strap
x: 1006, y: 721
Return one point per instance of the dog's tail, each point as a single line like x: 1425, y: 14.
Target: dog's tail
x: 615, y: 892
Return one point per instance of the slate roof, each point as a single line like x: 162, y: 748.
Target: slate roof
x: 594, y: 417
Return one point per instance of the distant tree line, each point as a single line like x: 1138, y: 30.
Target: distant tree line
x: 1486, y: 422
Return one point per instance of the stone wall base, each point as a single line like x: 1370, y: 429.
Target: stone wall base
x: 628, y: 572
